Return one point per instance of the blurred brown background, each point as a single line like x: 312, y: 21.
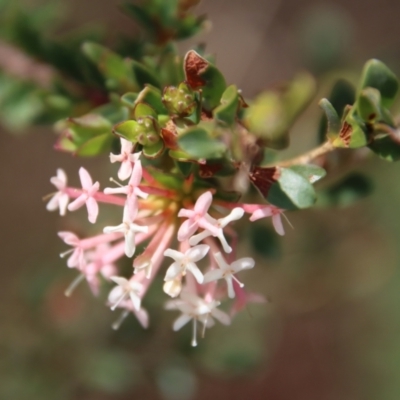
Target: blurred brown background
x: 332, y: 329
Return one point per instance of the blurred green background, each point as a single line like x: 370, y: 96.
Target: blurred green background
x: 332, y: 327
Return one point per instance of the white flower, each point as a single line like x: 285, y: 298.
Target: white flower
x: 76, y: 259
x: 126, y: 158
x: 125, y: 288
x: 221, y: 223
x: 184, y: 262
x: 131, y: 190
x: 60, y: 199
x: 195, y: 308
x: 270, y: 211
x: 141, y: 315
x: 89, y: 189
x: 129, y: 229
x: 227, y: 271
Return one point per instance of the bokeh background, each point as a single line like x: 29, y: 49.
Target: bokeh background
x: 331, y: 329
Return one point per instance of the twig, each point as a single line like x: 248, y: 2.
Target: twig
x: 307, y: 157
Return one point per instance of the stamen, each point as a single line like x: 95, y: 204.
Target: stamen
x: 287, y: 219
x: 62, y: 255
x: 203, y: 333
x: 116, y: 325
x: 116, y: 182
x: 115, y: 305
x: 194, y: 336
x: 74, y: 284
x: 44, y: 198
x: 237, y: 280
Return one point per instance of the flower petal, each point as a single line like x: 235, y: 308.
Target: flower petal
x: 242, y: 263
x: 192, y: 267
x: 198, y: 252
x: 221, y: 316
x: 86, y: 180
x: 176, y: 255
x: 92, y: 209
x: 277, y: 222
x: 181, y: 321
x: 174, y: 270
x: 213, y: 275
x: 203, y: 203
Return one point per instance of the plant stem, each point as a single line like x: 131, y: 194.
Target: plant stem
x: 307, y: 157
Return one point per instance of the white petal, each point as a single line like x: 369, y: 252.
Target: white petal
x: 203, y: 203
x: 117, y: 190
x: 213, y: 275
x: 54, y: 202
x: 130, y: 246
x: 63, y: 203
x: 192, y: 267
x: 243, y: 263
x: 115, y: 294
x: 143, y: 317
x: 199, y: 237
x: 136, y: 300
x: 277, y: 222
x: 118, y: 228
x: 78, y: 202
x: 221, y: 261
x: 221, y: 316
x: 229, y: 284
x: 172, y: 288
x: 176, y: 255
x: 173, y: 271
x: 234, y: 215
x: 92, y: 209
x: 225, y: 245
x: 125, y: 170
x: 181, y: 321
x: 85, y: 178
x: 198, y: 252
x: 119, y: 280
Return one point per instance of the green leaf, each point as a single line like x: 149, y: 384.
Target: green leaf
x: 153, y: 151
x: 291, y: 191
x: 352, y: 133
x: 202, y: 74
x: 143, y: 110
x: 117, y: 71
x: 227, y: 110
x: 386, y: 148
x: 87, y: 127
x: 377, y: 75
x: 344, y: 193
x: 185, y: 168
x: 369, y: 104
x: 334, y: 123
x: 342, y: 95
x: 311, y: 172
x: 128, y: 130
x: 129, y: 99
x: 197, y: 143
x: 153, y: 97
x: 95, y: 146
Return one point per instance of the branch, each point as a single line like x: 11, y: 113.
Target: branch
x: 309, y: 156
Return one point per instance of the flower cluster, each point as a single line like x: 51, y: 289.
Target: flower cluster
x: 187, y: 224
